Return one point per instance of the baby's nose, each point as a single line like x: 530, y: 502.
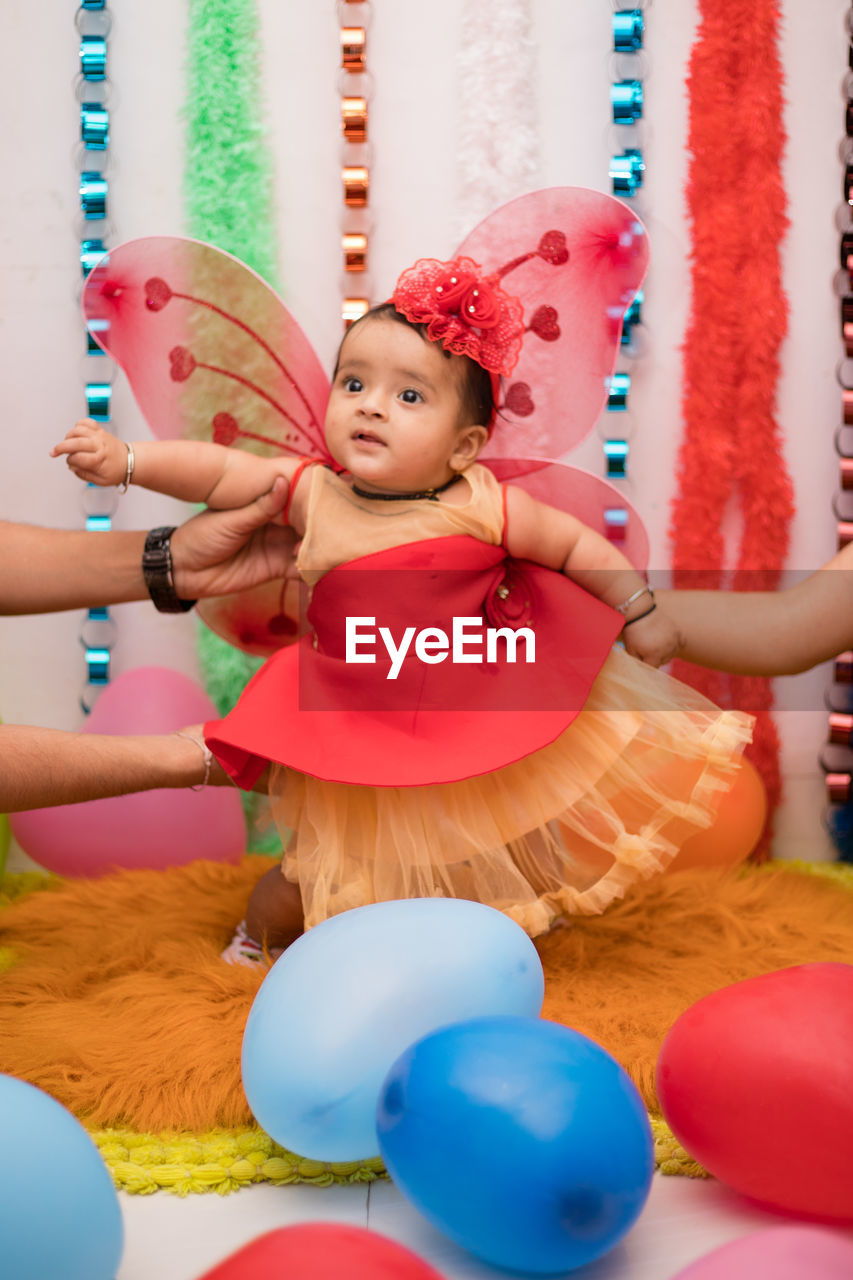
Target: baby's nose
x: 375, y: 405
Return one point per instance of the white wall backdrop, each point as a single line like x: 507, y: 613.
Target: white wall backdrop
x: 413, y: 122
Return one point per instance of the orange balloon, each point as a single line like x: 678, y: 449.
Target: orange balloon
x: 734, y: 833
x: 729, y: 840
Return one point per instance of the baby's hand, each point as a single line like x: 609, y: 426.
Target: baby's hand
x: 654, y: 639
x: 93, y: 454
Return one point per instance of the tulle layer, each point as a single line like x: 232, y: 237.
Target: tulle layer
x: 565, y: 830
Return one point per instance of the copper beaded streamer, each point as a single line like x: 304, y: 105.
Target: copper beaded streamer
x: 93, y: 24
x: 355, y: 159
x: 627, y: 168
x: 837, y: 756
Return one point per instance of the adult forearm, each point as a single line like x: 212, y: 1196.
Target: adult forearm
x: 44, y: 767
x: 769, y: 633
x: 42, y: 570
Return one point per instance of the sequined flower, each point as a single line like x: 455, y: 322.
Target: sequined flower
x: 463, y: 309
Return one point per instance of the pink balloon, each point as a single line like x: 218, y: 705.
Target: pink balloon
x: 148, y: 700
x: 163, y: 828
x: 779, y: 1253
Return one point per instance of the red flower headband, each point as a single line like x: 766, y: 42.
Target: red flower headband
x: 467, y: 312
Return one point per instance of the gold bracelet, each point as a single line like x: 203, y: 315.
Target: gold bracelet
x: 123, y: 488
x: 626, y: 604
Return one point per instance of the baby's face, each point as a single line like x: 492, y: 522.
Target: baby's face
x: 394, y: 411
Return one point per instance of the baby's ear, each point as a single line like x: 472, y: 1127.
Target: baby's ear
x: 468, y: 445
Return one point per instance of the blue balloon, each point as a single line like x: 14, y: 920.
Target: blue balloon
x: 522, y: 1140
x: 351, y: 994
x: 59, y: 1212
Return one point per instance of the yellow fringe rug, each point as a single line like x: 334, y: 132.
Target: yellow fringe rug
x: 114, y: 1000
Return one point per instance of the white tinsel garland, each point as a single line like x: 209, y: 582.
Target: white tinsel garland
x: 498, y: 151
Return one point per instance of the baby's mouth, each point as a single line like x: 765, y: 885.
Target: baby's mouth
x: 367, y: 437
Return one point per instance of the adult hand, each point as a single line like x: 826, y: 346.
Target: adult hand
x: 218, y: 552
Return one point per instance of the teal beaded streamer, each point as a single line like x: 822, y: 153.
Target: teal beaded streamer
x: 91, y: 252
x: 93, y: 57
x: 628, y: 30
x: 626, y: 172
x: 626, y: 100
x: 98, y: 400
x: 93, y: 191
x: 616, y: 458
x: 94, y: 126
x: 618, y: 388
x: 93, y: 23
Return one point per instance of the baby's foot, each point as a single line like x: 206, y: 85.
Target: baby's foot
x: 244, y: 950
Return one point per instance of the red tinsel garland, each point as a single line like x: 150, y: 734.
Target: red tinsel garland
x: 730, y: 457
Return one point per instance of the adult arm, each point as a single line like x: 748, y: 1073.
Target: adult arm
x: 40, y: 768
x: 768, y: 633
x: 213, y: 553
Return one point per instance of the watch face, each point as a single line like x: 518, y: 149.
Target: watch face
x: 157, y: 550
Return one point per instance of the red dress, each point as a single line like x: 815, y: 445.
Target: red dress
x: 540, y: 787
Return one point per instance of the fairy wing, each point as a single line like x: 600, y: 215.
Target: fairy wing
x: 591, y: 499
x: 210, y: 350
x: 212, y: 353
x: 575, y: 259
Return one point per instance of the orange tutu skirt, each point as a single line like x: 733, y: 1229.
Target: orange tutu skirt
x: 565, y: 830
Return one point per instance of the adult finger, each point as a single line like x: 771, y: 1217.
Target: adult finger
x: 263, y: 509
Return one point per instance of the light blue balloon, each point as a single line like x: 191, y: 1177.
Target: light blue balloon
x: 59, y: 1212
x: 522, y: 1140
x: 351, y: 994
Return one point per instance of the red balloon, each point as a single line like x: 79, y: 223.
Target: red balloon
x: 322, y: 1251
x: 755, y: 1082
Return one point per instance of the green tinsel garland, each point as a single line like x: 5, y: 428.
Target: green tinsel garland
x: 228, y: 179
x: 228, y: 191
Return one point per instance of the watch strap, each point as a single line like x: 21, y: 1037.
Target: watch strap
x: 158, y: 572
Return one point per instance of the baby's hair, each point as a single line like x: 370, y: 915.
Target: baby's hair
x: 478, y: 400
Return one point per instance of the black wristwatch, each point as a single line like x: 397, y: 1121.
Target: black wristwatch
x: 158, y: 572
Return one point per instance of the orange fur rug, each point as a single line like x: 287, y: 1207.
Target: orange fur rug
x: 114, y: 999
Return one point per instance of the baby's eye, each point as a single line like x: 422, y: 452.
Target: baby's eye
x: 353, y: 384
x: 411, y: 396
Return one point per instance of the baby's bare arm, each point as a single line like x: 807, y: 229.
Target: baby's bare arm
x: 195, y: 471
x: 541, y: 533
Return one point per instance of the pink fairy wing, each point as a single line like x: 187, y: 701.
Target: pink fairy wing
x: 262, y: 619
x: 586, y: 496
x: 575, y: 258
x: 210, y: 351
